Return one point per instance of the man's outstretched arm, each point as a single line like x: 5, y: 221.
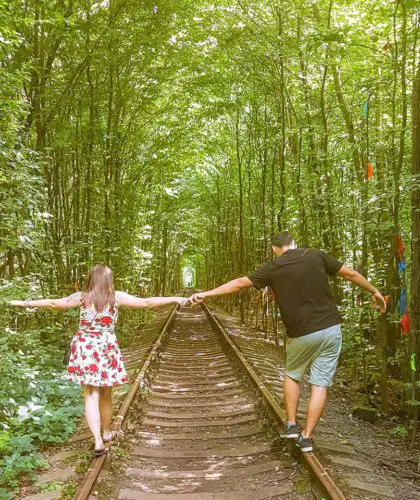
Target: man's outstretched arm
x: 233, y: 286
x: 359, y: 280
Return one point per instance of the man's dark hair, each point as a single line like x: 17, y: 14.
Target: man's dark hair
x: 282, y: 239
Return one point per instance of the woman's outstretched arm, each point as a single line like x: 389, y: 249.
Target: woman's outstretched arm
x: 59, y: 304
x: 127, y: 300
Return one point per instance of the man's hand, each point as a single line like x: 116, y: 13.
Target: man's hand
x: 379, y: 301
x: 359, y: 280
x: 197, y: 298
x: 232, y: 286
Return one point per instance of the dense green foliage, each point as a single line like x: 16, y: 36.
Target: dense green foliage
x: 38, y: 407
x: 157, y: 134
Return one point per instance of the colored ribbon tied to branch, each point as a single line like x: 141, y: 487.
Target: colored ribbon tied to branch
x: 399, y: 245
x: 405, y: 323
x: 369, y: 171
x: 413, y: 361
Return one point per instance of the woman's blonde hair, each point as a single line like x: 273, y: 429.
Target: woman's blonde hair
x: 99, y: 287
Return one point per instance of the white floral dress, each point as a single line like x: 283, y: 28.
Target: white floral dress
x: 95, y: 357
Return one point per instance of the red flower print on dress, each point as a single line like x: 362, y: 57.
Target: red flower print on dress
x: 100, y: 362
x: 106, y: 320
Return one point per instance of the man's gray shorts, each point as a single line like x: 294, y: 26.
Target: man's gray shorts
x: 318, y: 351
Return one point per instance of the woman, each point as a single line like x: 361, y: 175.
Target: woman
x: 95, y: 360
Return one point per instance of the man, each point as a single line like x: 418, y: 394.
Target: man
x: 299, y: 280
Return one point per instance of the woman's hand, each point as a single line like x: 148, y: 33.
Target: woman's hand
x: 127, y: 300
x: 18, y: 303
x: 182, y: 301
x: 197, y: 298
x: 61, y: 304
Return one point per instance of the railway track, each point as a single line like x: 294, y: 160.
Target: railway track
x: 203, y: 426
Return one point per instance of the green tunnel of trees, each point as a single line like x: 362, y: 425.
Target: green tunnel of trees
x: 158, y: 133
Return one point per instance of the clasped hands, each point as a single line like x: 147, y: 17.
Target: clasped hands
x: 194, y: 299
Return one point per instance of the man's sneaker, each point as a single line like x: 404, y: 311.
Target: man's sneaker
x: 290, y: 431
x: 305, y: 444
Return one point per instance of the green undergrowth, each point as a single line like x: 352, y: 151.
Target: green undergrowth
x: 38, y: 407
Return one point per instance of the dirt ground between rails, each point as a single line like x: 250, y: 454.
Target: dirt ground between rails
x: 285, y: 475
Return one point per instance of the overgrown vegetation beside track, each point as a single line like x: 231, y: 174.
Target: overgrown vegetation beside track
x: 38, y: 407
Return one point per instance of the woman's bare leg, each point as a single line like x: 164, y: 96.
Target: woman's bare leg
x: 105, y: 408
x: 93, y: 418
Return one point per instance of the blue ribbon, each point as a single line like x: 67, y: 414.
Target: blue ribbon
x: 401, y: 266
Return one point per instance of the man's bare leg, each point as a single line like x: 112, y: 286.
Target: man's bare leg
x: 291, y: 390
x: 316, y: 406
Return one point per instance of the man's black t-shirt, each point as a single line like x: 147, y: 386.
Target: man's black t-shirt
x: 299, y: 280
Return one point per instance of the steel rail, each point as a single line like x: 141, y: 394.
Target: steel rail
x: 97, y: 464
x: 325, y: 482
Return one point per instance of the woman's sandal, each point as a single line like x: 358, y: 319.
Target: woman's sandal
x: 98, y: 453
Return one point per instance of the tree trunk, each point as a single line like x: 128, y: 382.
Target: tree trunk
x: 241, y: 215
x: 415, y: 248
